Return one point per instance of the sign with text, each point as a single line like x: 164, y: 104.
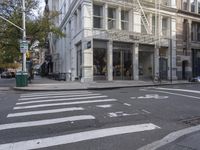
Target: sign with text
x: 23, y: 46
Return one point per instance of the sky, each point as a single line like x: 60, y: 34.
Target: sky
x: 40, y: 8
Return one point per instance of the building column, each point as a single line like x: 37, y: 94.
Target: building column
x: 156, y: 60
x: 68, y: 53
x: 73, y: 49
x: 118, y: 18
x: 189, y: 37
x: 105, y: 18
x: 135, y: 61
x: 150, y: 19
x: 87, y: 42
x: 172, y: 51
x: 196, y: 6
x: 189, y: 5
x: 110, y: 60
x: 77, y: 20
x: 161, y: 25
x: 130, y: 22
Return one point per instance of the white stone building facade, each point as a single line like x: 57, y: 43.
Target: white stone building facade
x: 107, y: 40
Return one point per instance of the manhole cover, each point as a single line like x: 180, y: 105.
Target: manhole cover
x: 192, y: 121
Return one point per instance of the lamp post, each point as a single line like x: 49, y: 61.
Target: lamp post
x: 24, y: 34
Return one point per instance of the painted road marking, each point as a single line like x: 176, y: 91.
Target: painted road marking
x: 145, y: 111
x: 183, y: 95
x: 57, y: 100
x: 154, y: 96
x: 66, y: 103
x: 44, y: 122
x: 53, y: 93
x: 59, y: 96
x: 120, y: 114
x: 77, y: 137
x: 104, y: 106
x: 181, y: 90
x: 44, y: 112
x: 127, y: 104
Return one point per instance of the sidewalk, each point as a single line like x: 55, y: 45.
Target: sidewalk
x: 187, y: 142
x: 45, y: 84
x: 184, y: 139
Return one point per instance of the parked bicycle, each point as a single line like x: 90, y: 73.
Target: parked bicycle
x: 157, y: 79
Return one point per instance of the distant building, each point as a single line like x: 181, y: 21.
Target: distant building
x: 115, y: 40
x: 188, y: 38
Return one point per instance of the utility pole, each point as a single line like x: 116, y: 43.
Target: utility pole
x: 24, y: 34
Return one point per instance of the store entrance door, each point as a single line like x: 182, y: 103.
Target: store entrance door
x: 122, y: 65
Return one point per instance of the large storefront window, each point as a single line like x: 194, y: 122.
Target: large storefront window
x: 122, y: 62
x: 100, y: 63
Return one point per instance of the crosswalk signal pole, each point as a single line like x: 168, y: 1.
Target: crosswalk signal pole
x: 24, y: 34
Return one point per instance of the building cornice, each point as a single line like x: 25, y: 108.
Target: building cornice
x: 188, y: 14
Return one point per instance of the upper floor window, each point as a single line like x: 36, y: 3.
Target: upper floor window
x: 165, y: 2
x: 192, y: 6
x: 199, y: 6
x: 185, y: 5
x: 185, y: 30
x: 111, y: 18
x: 97, y: 16
x: 124, y: 20
x: 164, y: 26
x: 198, y: 32
x: 193, y: 27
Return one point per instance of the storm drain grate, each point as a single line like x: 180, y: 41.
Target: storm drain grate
x: 192, y: 121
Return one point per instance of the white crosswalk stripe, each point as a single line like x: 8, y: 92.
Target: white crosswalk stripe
x: 57, y: 100
x: 44, y: 122
x: 29, y: 113
x: 66, y: 103
x: 53, y: 93
x: 77, y: 137
x: 59, y: 96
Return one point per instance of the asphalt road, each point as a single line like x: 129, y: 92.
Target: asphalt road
x: 119, y: 119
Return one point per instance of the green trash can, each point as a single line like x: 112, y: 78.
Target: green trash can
x: 21, y: 79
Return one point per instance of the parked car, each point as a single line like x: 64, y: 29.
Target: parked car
x: 195, y: 79
x: 6, y: 75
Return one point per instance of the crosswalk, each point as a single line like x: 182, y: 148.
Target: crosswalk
x: 51, y: 108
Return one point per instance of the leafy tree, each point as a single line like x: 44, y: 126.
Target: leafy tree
x: 37, y: 28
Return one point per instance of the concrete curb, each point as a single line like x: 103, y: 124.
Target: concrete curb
x: 170, y: 138
x: 95, y: 88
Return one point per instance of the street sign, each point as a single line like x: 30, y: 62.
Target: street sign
x: 23, y: 46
